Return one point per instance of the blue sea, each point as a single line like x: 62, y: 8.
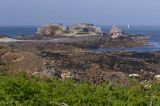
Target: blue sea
x: 18, y: 30
x: 153, y: 32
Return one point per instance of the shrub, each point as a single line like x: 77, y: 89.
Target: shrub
x: 21, y: 89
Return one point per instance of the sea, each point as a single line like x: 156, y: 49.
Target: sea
x: 153, y: 32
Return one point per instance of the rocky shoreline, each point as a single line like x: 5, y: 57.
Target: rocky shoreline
x: 72, y: 57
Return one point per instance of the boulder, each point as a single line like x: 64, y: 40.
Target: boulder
x: 66, y: 74
x: 48, y: 70
x: 157, y: 77
x: 110, y: 75
x: 23, y: 61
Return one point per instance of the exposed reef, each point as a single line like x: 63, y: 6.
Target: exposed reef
x: 74, y: 59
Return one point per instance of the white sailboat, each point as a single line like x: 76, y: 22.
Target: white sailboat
x: 128, y: 26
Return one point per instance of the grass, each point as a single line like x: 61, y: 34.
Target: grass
x: 23, y: 90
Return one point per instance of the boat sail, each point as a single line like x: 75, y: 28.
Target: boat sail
x: 128, y: 26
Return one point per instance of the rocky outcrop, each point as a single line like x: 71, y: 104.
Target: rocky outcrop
x: 116, y: 32
x: 111, y: 75
x: 127, y: 41
x: 79, y: 29
x: 48, y: 71
x: 23, y: 61
x: 66, y: 74
x: 51, y: 29
x: 86, y: 29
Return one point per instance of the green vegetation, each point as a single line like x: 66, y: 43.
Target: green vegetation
x: 24, y: 90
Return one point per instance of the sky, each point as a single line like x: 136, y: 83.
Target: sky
x: 99, y: 12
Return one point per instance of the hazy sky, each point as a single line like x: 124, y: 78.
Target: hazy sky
x: 101, y: 12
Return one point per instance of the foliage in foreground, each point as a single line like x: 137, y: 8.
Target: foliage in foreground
x: 23, y: 90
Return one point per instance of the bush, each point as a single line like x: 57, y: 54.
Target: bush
x: 22, y: 89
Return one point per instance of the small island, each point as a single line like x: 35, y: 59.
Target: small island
x: 87, y: 35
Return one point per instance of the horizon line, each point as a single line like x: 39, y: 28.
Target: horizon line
x: 73, y: 24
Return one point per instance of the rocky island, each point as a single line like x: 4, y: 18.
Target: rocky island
x: 86, y: 34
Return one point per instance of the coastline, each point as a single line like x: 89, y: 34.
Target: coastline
x: 72, y: 54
